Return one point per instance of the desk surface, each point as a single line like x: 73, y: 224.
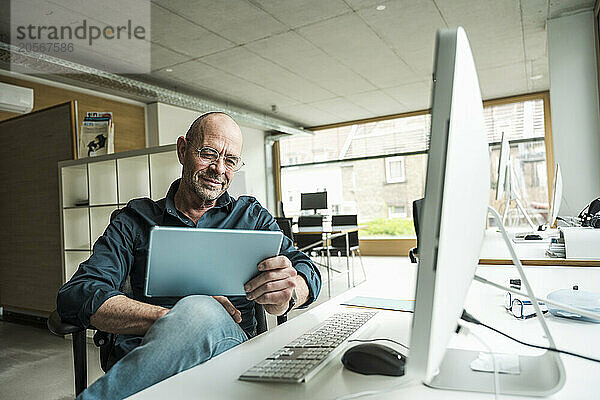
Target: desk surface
x: 217, y: 378
x: 494, y: 251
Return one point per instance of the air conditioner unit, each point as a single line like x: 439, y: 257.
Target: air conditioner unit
x: 15, y: 98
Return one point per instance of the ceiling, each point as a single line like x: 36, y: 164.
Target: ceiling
x: 318, y: 62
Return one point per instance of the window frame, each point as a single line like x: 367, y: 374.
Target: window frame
x: 388, y: 170
x: 548, y: 141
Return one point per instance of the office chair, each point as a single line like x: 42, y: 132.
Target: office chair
x: 106, y: 341
x: 285, y: 224
x: 280, y: 209
x: 417, y: 207
x: 312, y: 243
x: 338, y: 244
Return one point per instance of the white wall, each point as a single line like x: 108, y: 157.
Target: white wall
x: 166, y: 123
x: 253, y: 154
x: 575, y: 110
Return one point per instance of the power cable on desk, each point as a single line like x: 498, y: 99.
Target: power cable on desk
x: 377, y: 339
x: 469, y: 318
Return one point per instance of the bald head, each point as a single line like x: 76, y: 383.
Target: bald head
x: 213, y: 122
x: 208, y: 180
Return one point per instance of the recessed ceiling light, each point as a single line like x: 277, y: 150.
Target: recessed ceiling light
x: 380, y: 7
x: 169, y: 69
x: 536, y: 77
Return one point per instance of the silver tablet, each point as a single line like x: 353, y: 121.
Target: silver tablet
x: 186, y: 261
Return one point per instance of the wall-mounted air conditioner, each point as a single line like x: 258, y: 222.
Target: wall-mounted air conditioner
x: 15, y: 98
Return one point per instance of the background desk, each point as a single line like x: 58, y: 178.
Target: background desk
x: 217, y: 378
x: 330, y: 233
x: 494, y: 251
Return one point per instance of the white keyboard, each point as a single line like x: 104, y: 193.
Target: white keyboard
x: 301, y: 359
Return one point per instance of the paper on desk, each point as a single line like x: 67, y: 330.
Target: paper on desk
x: 381, y: 304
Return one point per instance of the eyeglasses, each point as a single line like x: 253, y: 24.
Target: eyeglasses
x: 520, y: 309
x: 208, y: 155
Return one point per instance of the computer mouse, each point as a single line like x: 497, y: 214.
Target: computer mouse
x: 374, y: 359
x: 533, y: 237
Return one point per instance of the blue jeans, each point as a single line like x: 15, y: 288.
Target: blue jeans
x: 196, y: 329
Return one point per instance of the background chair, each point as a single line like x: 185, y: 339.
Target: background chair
x: 417, y: 207
x: 310, y: 242
x: 285, y: 224
x: 338, y: 244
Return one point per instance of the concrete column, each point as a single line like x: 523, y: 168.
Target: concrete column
x: 575, y: 109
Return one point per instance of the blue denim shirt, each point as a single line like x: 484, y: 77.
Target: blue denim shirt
x: 122, y: 251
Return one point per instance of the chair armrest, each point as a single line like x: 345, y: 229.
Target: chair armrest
x: 58, y: 327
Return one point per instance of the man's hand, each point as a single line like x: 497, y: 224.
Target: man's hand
x: 273, y: 287
x: 234, y: 312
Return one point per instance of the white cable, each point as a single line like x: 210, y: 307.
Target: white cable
x: 466, y: 331
x: 374, y: 392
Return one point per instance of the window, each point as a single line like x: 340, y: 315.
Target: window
x: 396, y: 212
x: 361, y: 164
x: 394, y: 169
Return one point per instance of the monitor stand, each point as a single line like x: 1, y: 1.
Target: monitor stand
x: 540, y: 375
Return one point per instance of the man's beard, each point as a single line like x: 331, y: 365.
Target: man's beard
x: 205, y: 193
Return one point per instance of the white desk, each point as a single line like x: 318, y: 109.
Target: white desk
x: 217, y: 378
x: 494, y: 251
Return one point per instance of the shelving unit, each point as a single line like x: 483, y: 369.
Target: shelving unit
x: 92, y: 188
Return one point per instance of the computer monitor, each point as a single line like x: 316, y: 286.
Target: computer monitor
x: 313, y: 201
x: 503, y: 164
x: 452, y: 229
x: 556, y: 200
x: 456, y: 199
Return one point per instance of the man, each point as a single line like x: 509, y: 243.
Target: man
x: 158, y: 338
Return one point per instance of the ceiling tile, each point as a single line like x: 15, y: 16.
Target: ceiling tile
x: 163, y: 57
x: 502, y: 81
x: 407, y: 26
x: 249, y: 66
x: 414, y: 96
x: 493, y: 28
x: 358, y: 4
x: 306, y: 115
x: 377, y: 102
x: 205, y: 78
x: 299, y: 13
x: 178, y: 34
x: 349, y: 40
x: 343, y: 108
x: 236, y: 20
x: 296, y: 54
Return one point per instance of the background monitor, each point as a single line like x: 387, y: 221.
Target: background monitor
x: 456, y: 202
x: 313, y: 201
x: 557, y: 191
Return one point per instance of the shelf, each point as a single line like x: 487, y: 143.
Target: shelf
x: 74, y: 184
x: 133, y: 177
x: 103, y: 182
x: 76, y: 227
x: 72, y: 260
x: 99, y: 220
x: 164, y: 169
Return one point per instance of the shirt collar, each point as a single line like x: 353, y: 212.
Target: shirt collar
x: 223, y: 201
